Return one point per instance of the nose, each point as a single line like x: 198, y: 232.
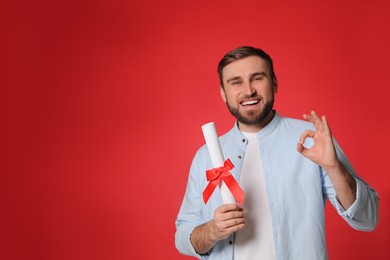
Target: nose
x: 248, y: 89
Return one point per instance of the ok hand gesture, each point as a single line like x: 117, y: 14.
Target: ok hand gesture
x: 323, y: 151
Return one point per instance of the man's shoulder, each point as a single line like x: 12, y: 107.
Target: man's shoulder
x: 290, y: 122
x: 228, y: 134
x: 202, y: 151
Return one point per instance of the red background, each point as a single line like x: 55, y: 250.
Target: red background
x: 102, y: 103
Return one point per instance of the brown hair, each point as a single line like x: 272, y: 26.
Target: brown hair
x: 243, y: 52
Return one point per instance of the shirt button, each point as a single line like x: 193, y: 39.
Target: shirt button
x: 243, y: 140
x: 239, y: 157
x: 230, y: 242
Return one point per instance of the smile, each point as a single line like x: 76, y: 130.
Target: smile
x: 250, y: 102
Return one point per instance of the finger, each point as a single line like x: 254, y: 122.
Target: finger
x: 237, y: 227
x: 310, y: 117
x: 231, y: 215
x: 228, y: 211
x: 301, y: 148
x: 232, y: 229
x: 325, y: 124
x: 228, y: 207
x: 234, y: 222
x: 223, y: 224
x: 314, y: 119
x: 306, y: 134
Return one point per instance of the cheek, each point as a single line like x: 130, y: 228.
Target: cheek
x: 228, y: 95
x: 266, y: 92
x: 233, y: 98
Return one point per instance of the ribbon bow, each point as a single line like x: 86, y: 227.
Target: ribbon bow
x: 216, y: 175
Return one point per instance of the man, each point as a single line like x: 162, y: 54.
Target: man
x: 287, y: 169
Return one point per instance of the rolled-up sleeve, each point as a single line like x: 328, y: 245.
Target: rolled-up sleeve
x: 190, y: 214
x: 363, y: 213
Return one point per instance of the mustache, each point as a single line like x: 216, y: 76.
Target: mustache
x: 251, y: 96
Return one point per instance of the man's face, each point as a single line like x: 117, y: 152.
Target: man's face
x: 249, y: 91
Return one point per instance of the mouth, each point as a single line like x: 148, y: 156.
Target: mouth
x: 250, y: 102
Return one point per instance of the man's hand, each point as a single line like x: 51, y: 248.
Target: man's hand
x: 228, y: 219
x: 323, y: 151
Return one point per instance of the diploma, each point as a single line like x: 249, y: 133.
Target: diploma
x: 214, y: 147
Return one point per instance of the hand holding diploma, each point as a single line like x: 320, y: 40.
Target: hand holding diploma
x: 229, y: 217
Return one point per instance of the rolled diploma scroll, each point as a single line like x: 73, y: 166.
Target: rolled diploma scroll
x: 214, y: 147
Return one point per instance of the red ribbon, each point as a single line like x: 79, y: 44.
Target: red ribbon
x: 216, y: 175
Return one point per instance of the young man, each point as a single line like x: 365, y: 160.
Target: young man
x: 286, y: 167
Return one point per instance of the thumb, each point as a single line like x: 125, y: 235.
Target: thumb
x: 301, y: 149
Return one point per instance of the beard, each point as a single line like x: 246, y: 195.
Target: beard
x: 252, y: 117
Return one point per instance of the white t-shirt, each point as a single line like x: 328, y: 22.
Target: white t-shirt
x: 255, y: 241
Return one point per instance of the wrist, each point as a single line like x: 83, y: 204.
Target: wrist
x: 336, y: 168
x: 212, y: 237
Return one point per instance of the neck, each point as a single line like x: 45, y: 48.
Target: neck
x: 256, y: 127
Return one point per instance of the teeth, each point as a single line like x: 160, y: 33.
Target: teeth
x: 249, y: 102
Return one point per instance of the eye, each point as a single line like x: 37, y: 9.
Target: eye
x: 258, y: 78
x: 236, y: 83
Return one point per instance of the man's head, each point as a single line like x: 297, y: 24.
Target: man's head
x: 248, y: 84
x: 243, y: 52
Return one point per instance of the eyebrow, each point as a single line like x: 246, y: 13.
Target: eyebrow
x: 262, y: 73
x: 233, y: 79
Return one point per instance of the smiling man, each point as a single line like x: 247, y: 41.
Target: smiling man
x: 249, y: 92
x: 287, y: 169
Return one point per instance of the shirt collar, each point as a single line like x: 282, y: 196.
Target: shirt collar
x: 269, y: 128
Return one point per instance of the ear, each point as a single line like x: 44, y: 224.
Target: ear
x: 223, y: 94
x: 275, y: 85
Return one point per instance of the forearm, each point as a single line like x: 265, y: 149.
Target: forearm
x: 202, y: 240
x: 344, y: 184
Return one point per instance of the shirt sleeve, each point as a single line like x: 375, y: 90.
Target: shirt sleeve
x: 363, y: 213
x: 190, y: 214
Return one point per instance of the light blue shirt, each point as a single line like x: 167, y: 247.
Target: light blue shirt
x: 297, y: 189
